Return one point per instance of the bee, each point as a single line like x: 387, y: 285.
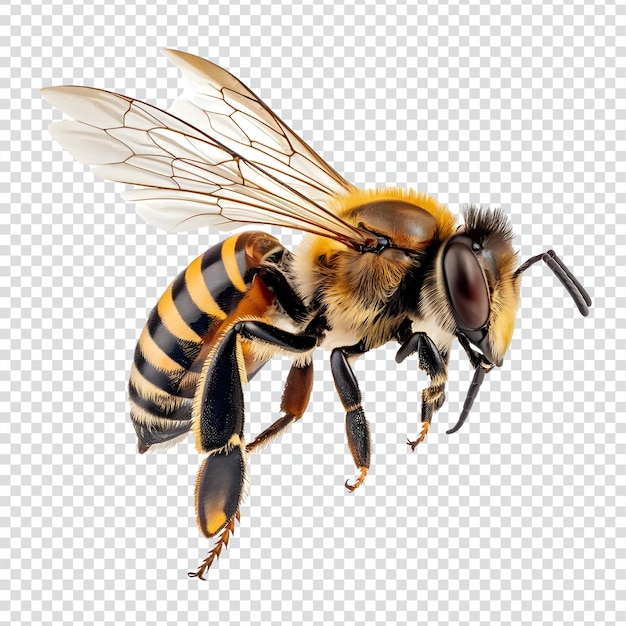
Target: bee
x: 375, y: 266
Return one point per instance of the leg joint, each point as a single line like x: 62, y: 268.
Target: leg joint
x: 291, y: 342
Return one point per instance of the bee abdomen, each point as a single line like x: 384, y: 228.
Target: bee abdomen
x: 188, y: 316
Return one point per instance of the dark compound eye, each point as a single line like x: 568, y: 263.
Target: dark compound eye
x: 466, y: 284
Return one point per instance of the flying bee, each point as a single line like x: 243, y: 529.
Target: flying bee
x: 373, y: 267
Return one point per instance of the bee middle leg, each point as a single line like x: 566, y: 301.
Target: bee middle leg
x: 294, y: 402
x: 434, y: 363
x: 357, y: 427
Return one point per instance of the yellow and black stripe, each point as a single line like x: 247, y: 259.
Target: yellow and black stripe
x: 186, y: 318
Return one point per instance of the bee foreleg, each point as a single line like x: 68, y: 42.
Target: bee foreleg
x: 434, y: 363
x: 433, y: 398
x: 430, y: 359
x: 357, y: 428
x: 294, y: 402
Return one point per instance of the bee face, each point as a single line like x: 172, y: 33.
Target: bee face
x: 478, y: 265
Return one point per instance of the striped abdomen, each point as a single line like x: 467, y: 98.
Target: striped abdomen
x: 169, y: 354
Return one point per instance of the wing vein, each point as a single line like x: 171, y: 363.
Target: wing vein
x: 218, y: 146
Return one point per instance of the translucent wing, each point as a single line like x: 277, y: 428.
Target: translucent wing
x: 188, y: 178
x: 221, y: 106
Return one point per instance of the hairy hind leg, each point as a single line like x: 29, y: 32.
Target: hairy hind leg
x: 218, y: 416
x: 294, y: 402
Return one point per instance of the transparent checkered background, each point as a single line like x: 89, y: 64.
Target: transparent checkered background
x: 517, y: 519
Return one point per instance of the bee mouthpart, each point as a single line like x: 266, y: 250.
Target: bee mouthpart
x: 480, y: 339
x: 488, y: 361
x: 477, y: 381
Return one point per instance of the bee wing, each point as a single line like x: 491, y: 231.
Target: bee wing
x: 187, y: 178
x: 221, y: 106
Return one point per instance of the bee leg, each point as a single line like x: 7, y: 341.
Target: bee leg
x: 433, y: 398
x: 222, y: 542
x: 218, y: 418
x: 357, y: 428
x: 218, y: 407
x: 434, y: 363
x: 294, y: 402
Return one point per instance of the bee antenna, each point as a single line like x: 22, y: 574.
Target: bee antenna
x: 472, y: 392
x: 574, y: 288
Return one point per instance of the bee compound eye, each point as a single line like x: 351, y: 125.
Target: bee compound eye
x: 467, y: 288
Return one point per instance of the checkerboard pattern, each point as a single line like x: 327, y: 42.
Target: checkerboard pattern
x: 520, y: 518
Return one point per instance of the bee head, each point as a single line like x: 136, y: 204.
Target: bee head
x: 478, y: 267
